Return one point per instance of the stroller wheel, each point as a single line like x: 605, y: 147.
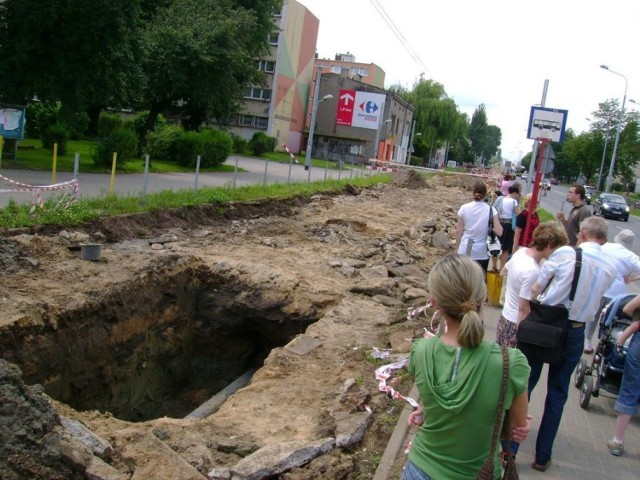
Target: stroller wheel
x: 581, y: 372
x: 585, y: 393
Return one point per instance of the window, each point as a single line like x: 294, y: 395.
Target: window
x: 252, y: 121
x: 267, y: 66
x: 335, y: 69
x: 273, y: 38
x: 257, y: 93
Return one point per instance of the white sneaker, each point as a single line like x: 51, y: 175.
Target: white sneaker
x: 615, y: 448
x: 588, y: 347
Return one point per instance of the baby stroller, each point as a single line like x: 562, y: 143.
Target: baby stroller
x: 607, y: 366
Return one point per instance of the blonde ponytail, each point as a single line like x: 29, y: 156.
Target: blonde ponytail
x: 457, y: 285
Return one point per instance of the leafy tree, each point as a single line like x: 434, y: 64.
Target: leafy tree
x: 605, y: 124
x: 82, y: 54
x: 436, y: 116
x: 485, y: 139
x: 201, y: 54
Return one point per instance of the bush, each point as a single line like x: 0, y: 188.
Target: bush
x: 141, y: 118
x: 162, y: 143
x: 123, y: 141
x: 56, y: 133
x: 261, y: 143
x: 240, y: 145
x: 78, y: 123
x: 213, y: 146
x: 108, y: 123
x: 40, y: 115
x: 617, y: 187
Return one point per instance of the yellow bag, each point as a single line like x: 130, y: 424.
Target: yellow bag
x: 494, y: 287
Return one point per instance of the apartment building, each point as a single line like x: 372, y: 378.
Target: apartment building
x: 278, y: 106
x: 345, y: 64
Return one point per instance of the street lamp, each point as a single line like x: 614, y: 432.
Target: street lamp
x: 314, y: 111
x: 620, y: 118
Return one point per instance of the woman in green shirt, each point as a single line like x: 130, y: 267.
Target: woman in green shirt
x: 459, y: 378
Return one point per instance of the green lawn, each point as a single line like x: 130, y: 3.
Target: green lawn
x: 31, y: 156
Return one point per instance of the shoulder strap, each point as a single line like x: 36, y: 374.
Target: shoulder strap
x: 487, y: 468
x: 490, y: 217
x: 576, y: 274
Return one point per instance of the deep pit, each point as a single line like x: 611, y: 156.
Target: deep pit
x: 153, y: 329
x: 158, y: 347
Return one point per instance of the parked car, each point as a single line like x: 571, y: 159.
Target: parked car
x: 554, y: 181
x: 611, y: 205
x: 589, y: 194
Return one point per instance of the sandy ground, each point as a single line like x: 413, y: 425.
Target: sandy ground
x: 353, y: 262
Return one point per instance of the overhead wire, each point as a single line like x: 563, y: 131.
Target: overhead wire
x: 398, y: 34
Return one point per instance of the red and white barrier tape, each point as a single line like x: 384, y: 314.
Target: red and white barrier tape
x: 385, y: 372
x: 293, y: 157
x: 37, y: 189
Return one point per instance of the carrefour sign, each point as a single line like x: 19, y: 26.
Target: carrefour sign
x: 360, y: 109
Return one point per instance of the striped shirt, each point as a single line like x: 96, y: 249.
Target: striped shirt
x: 596, y: 276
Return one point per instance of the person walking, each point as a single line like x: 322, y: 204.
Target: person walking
x: 519, y: 239
x: 507, y: 207
x: 627, y: 403
x: 459, y: 378
x: 627, y: 265
x: 473, y: 225
x: 553, y: 288
x: 579, y: 212
x: 522, y: 273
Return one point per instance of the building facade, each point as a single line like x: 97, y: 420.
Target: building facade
x: 338, y: 142
x: 278, y: 106
x: 345, y: 64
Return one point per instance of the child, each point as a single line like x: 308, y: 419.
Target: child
x: 627, y: 403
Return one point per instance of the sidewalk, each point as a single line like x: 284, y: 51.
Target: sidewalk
x: 579, y: 451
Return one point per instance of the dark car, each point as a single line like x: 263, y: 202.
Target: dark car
x: 554, y: 181
x: 611, y: 205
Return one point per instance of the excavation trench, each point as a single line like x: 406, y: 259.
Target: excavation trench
x: 157, y: 346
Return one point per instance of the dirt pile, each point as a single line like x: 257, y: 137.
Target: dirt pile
x: 184, y: 302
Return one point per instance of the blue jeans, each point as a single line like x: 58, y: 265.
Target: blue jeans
x: 627, y: 402
x: 411, y: 472
x: 558, y: 380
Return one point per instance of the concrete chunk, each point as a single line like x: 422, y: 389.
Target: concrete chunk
x: 274, y: 459
x: 77, y: 430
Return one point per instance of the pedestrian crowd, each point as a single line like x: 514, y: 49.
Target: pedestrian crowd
x: 469, y: 387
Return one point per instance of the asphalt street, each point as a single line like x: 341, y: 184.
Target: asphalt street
x: 95, y: 184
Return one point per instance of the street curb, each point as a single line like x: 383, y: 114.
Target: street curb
x: 395, y: 442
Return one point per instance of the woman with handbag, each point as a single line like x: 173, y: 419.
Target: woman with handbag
x: 476, y: 220
x: 521, y: 273
x: 466, y: 384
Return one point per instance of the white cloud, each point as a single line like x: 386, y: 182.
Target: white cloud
x: 496, y: 52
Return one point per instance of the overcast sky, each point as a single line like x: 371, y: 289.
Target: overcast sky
x: 496, y: 52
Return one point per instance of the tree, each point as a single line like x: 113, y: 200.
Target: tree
x: 200, y: 54
x: 436, y: 116
x: 606, y: 123
x: 485, y: 139
x: 83, y: 54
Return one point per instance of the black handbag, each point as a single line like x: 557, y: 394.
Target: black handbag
x: 541, y: 335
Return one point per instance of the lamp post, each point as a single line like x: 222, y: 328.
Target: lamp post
x: 620, y: 118
x: 314, y: 111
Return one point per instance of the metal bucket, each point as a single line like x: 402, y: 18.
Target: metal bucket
x: 91, y: 251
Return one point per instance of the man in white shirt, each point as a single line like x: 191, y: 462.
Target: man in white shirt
x: 556, y: 274
x: 627, y: 265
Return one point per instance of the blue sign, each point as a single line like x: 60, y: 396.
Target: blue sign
x: 547, y: 123
x: 12, y: 119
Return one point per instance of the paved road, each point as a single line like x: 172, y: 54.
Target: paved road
x: 95, y: 184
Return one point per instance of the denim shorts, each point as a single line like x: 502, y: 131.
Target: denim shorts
x: 627, y: 402
x: 411, y: 472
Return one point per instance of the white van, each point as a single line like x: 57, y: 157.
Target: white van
x: 452, y: 164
